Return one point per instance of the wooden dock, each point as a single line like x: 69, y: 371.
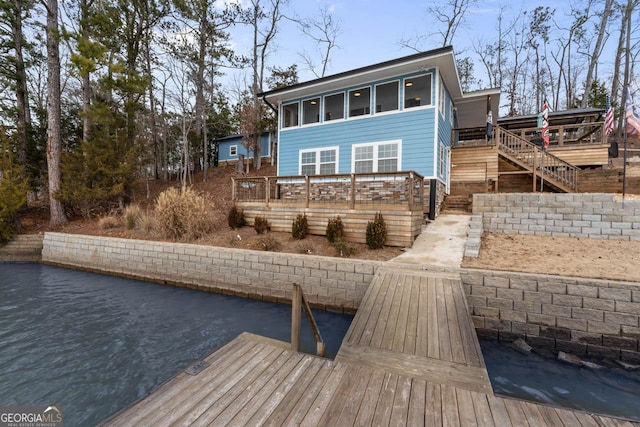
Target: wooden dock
x: 410, y: 358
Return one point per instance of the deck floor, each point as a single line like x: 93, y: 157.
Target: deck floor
x: 410, y: 358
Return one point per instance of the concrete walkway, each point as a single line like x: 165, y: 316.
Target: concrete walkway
x: 440, y: 244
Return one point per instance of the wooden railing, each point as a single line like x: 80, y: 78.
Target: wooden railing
x: 299, y: 303
x: 349, y: 190
x: 539, y: 161
x: 570, y: 134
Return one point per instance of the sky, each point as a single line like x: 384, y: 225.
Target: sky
x: 373, y: 29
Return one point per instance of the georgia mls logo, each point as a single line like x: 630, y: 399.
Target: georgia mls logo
x: 30, y: 416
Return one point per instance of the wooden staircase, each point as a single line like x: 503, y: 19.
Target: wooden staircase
x: 457, y: 203
x: 556, y: 172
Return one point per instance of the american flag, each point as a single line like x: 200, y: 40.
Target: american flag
x: 632, y: 115
x: 608, y: 118
x: 545, y: 124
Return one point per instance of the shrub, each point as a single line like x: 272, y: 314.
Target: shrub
x: 13, y: 195
x: 110, y: 221
x: 146, y: 222
x: 269, y: 243
x: 132, y: 216
x: 235, y: 218
x: 184, y: 214
x: 377, y: 232
x: 260, y: 224
x: 300, y: 227
x: 343, y: 248
x: 335, y: 229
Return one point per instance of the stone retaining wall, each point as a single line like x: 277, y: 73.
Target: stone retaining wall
x: 597, y: 216
x: 331, y: 283
x: 23, y: 247
x: 580, y: 316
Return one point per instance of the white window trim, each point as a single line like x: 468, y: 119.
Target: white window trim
x: 317, y: 151
x: 233, y: 151
x: 375, y: 97
x: 344, y: 107
x: 320, y: 111
x: 349, y: 103
x: 442, y: 99
x: 299, y: 116
x: 375, y: 146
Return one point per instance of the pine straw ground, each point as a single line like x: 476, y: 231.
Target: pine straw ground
x: 619, y: 260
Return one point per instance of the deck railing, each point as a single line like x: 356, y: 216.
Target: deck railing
x: 350, y: 190
x: 536, y: 159
x: 299, y: 303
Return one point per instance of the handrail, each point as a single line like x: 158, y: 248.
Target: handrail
x: 554, y: 167
x: 299, y: 302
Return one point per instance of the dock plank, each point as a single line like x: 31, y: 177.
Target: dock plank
x: 466, y: 412
x: 400, y: 409
x: 411, y: 334
x: 433, y: 413
x: 450, y: 416
x: 473, y: 353
x: 382, y: 414
x: 482, y: 409
x: 444, y: 334
x: 385, y: 310
x: 370, y: 399
x: 393, y: 320
x: 433, y: 347
x: 455, y: 336
x: 417, y: 401
x: 355, y: 331
x: 371, y: 313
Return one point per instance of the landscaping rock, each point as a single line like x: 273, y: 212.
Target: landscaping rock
x: 521, y: 346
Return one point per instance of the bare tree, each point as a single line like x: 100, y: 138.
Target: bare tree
x: 324, y: 32
x: 54, y: 131
x: 594, y: 56
x: 451, y: 15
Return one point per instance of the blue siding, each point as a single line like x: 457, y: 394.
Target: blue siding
x: 445, y: 128
x: 225, y: 145
x: 415, y: 127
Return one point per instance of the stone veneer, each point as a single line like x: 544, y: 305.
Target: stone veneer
x: 331, y: 283
x: 580, y: 316
x: 585, y: 215
x: 23, y: 247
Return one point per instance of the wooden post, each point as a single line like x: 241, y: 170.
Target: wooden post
x: 307, y: 183
x: 534, y: 172
x: 296, y: 316
x: 561, y: 135
x: 267, y: 189
x: 353, y: 191
x: 411, y: 183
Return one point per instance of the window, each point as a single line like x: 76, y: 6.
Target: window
x: 290, y: 115
x: 387, y: 97
x: 233, y: 150
x: 376, y: 157
x: 321, y: 161
x: 417, y: 91
x: 359, y: 102
x: 441, y: 99
x: 311, y: 111
x: 334, y: 107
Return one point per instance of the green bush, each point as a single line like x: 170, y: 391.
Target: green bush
x: 343, y: 248
x: 235, y: 218
x: 335, y: 229
x: 377, y: 232
x: 260, y: 224
x: 300, y: 227
x: 13, y: 195
x: 184, y: 214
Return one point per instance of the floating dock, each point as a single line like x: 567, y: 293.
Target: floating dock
x: 410, y: 358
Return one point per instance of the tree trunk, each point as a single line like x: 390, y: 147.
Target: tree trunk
x: 152, y: 113
x: 54, y: 137
x: 597, y: 49
x: 22, y: 98
x: 626, y: 13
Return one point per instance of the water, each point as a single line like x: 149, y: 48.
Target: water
x: 611, y: 391
x: 94, y: 344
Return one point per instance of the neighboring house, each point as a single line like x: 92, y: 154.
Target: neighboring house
x: 230, y: 147
x: 392, y: 116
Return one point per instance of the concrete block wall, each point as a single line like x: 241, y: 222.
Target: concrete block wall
x: 331, y: 283
x: 596, y: 216
x: 23, y: 247
x: 581, y: 316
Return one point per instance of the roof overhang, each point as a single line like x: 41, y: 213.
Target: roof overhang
x: 442, y: 59
x: 472, y: 107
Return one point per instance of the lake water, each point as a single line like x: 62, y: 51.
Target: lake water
x: 94, y: 344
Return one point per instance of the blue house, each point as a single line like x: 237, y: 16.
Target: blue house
x: 231, y: 147
x: 393, y: 116
x: 372, y: 140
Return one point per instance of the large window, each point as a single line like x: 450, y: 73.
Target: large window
x: 441, y: 99
x: 311, y: 111
x: 290, y: 115
x: 334, y: 106
x: 376, y: 157
x: 233, y: 150
x: 387, y: 97
x: 321, y: 161
x: 417, y: 91
x: 359, y: 102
